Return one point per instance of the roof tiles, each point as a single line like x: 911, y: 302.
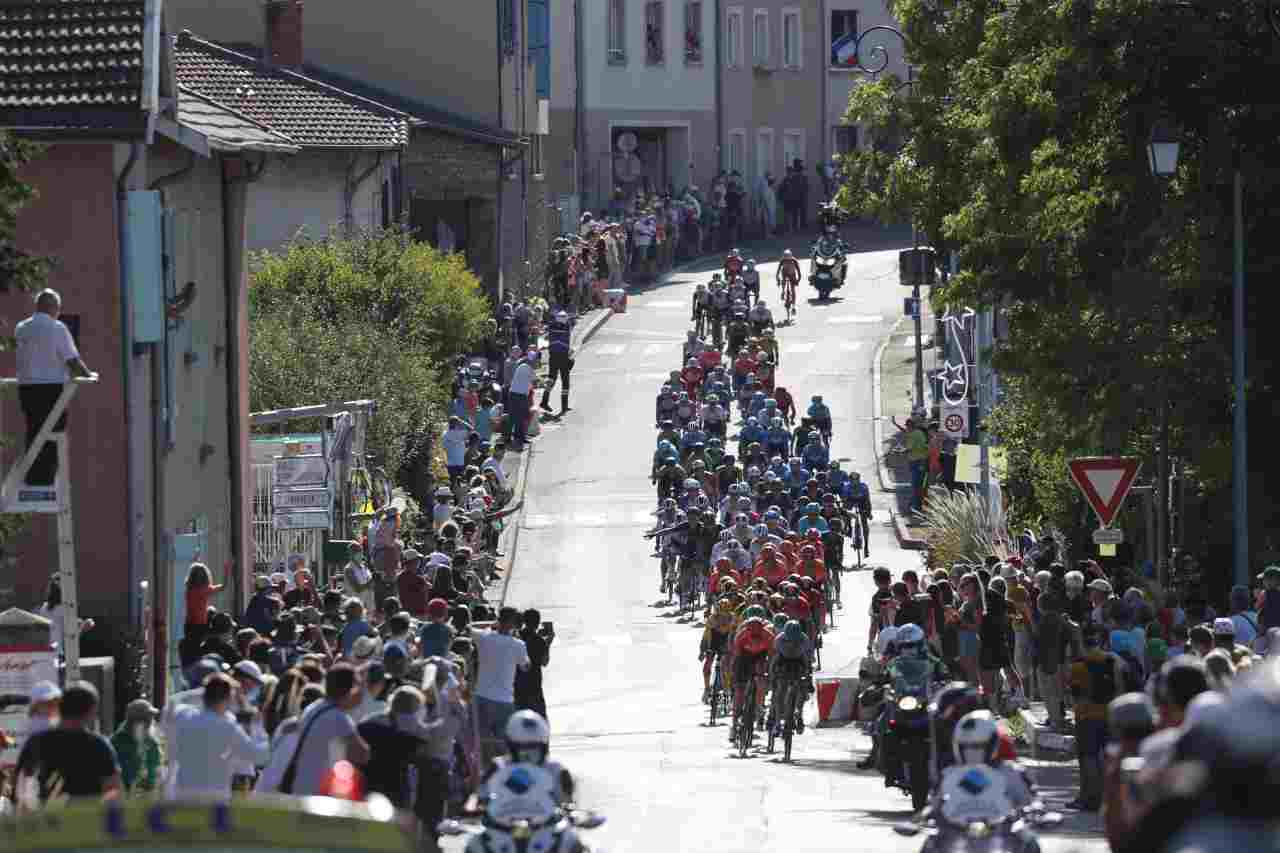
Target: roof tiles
x: 310, y: 113
x: 71, y: 57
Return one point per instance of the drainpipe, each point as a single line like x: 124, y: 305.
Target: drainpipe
x: 502, y: 123
x: 825, y: 81
x: 126, y: 363
x: 161, y: 435
x: 719, y: 94
x: 353, y: 186
x: 579, y: 139
x: 522, y: 82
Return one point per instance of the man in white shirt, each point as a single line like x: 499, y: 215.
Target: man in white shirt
x: 518, y: 398
x: 500, y: 655
x: 454, y: 442
x: 46, y: 358
x: 210, y: 743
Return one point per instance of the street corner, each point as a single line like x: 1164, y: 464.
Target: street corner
x: 908, y: 538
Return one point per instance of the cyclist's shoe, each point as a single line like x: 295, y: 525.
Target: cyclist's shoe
x: 799, y: 724
x: 706, y: 696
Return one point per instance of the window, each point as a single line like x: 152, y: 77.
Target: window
x: 844, y: 38
x: 693, y: 32
x: 791, y: 38
x: 844, y: 139
x: 760, y: 38
x: 737, y: 149
x: 792, y: 147
x: 733, y: 38
x: 617, y: 32
x: 654, y: 41
x: 764, y: 151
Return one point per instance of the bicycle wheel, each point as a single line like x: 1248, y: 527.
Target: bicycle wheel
x: 831, y: 604
x: 747, y: 719
x: 716, y: 688
x: 789, y: 725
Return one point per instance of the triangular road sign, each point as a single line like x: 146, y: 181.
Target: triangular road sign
x: 1104, y: 480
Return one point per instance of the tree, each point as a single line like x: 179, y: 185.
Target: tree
x: 374, y: 316
x: 1025, y: 151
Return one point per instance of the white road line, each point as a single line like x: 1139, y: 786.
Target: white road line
x: 590, y: 519
x: 663, y: 304
x: 613, y: 640
x: 653, y: 349
x: 609, y: 349
x: 856, y: 318
x: 647, y: 377
x: 536, y: 521
x: 799, y: 349
x: 850, y: 346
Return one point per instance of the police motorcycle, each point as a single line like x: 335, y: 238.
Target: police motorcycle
x: 521, y: 815
x: 979, y: 807
x: 828, y: 264
x: 524, y: 799
x: 904, y: 727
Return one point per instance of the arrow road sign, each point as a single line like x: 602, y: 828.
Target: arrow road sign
x: 1104, y: 481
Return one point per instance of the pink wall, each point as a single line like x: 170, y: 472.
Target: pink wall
x: 74, y: 222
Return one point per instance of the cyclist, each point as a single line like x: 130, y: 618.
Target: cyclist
x: 812, y: 518
x: 788, y: 278
x: 733, y: 265
x: 815, y: 455
x: 770, y: 568
x: 786, y: 404
x: 833, y: 545
x: 778, y: 439
x: 858, y: 499
x: 666, y: 404
x: 715, y: 641
x: 790, y: 668
x: 692, y: 377
x: 821, y: 416
x: 738, y: 327
x: 883, y: 580
x: 769, y: 344
x: 751, y: 647
x: 761, y: 317
x: 715, y: 418
x: 721, y: 304
x: 701, y: 307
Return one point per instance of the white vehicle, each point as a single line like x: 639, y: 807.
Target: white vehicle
x: 522, y: 815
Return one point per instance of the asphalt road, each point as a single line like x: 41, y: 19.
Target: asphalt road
x: 624, y: 683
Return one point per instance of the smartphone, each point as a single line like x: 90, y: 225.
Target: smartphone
x: 548, y: 628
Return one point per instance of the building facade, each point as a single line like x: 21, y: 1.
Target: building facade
x: 843, y: 21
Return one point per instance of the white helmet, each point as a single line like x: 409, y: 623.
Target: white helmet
x: 786, y: 253
x: 976, y: 738
x: 528, y: 737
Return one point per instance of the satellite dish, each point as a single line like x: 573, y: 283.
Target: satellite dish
x: 627, y: 142
x: 627, y: 168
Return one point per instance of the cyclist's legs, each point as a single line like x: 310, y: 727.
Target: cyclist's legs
x: 866, y: 530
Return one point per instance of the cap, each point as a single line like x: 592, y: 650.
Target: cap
x: 249, y: 670
x: 364, y: 648
x: 1224, y: 627
x: 1100, y: 585
x: 437, y: 608
x: 44, y: 691
x: 141, y: 709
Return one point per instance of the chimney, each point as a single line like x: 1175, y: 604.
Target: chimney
x: 283, y: 43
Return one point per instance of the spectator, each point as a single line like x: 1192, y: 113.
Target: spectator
x: 375, y: 690
x: 1243, y: 618
x: 46, y: 358
x: 137, y: 749
x: 519, y: 395
x: 500, y: 655
x: 44, y: 707
x: 1096, y: 679
x: 200, y: 588
x: 1051, y: 635
x: 436, y: 635
x: 71, y: 760
x: 303, y: 593
x: 454, y: 442
x: 358, y: 578
x: 327, y: 734
x: 263, y: 607
x: 207, y: 736
x: 537, y: 639
x: 221, y: 641
x: 356, y: 626
x: 411, y: 586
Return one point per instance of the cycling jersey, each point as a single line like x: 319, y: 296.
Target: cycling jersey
x: 796, y: 608
x: 806, y: 522
x: 815, y: 569
x: 774, y: 573
x: 789, y: 265
x: 754, y: 637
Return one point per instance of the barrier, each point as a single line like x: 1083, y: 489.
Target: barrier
x: 616, y: 299
x: 836, y: 698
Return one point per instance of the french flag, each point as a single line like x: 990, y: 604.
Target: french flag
x: 844, y: 51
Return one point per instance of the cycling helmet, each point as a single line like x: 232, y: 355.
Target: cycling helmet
x: 772, y: 514
x: 692, y: 484
x: 528, y: 737
x: 666, y: 447
x: 698, y: 463
x: 817, y: 398
x: 789, y: 590
x: 669, y: 504
x: 770, y: 403
x: 779, y: 621
x: 760, y: 303
x: 755, y: 611
x: 760, y: 530
x: 910, y: 639
x: 793, y: 631
x: 735, y: 253
x: 786, y: 253
x: 794, y: 578
x: 727, y: 585
x: 808, y: 551
x: 976, y: 738
x: 807, y: 583
x: 759, y: 597
x: 753, y: 472
x: 776, y: 600
x: 954, y: 700
x: 759, y: 584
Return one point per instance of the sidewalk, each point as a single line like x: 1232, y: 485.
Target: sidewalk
x: 895, y: 367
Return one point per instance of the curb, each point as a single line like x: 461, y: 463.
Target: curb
x: 905, y: 540
x: 1044, y: 741
x: 593, y: 327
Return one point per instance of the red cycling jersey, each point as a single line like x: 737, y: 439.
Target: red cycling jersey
x: 753, y: 638
x: 789, y: 265
x: 796, y: 608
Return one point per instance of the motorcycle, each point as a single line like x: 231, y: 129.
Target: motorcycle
x: 827, y: 264
x: 523, y: 816
x: 1001, y: 830
x: 905, y: 750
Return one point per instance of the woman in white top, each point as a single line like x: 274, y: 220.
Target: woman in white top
x: 53, y: 610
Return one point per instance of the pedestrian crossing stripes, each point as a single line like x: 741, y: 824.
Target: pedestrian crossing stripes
x: 855, y: 318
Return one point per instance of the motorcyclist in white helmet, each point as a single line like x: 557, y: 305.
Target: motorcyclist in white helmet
x: 979, y: 786
x: 528, y: 741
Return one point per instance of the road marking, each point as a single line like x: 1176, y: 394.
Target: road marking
x: 850, y: 346
x: 663, y: 304
x: 537, y: 521
x: 799, y: 349
x: 653, y: 349
x: 614, y: 640
x: 610, y: 349
x: 856, y: 318
x: 647, y: 377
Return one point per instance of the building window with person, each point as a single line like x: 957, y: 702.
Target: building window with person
x: 791, y: 41
x: 47, y: 358
x: 693, y: 32
x: 844, y: 38
x: 617, y: 32
x: 654, y: 33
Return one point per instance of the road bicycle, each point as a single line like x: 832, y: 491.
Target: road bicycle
x: 747, y: 718
x: 788, y: 280
x: 719, y: 695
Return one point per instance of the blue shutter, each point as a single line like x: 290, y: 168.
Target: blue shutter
x: 540, y: 46
x: 143, y: 254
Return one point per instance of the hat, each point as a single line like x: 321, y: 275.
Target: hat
x: 1100, y: 585
x: 249, y: 670
x: 365, y: 647
x: 1224, y: 628
x: 261, y: 582
x: 202, y: 669
x: 437, y: 608
x: 140, y: 709
x: 44, y: 691
x: 411, y: 554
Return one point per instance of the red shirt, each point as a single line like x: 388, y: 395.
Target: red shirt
x: 796, y: 608
x: 198, y: 604
x: 753, y: 638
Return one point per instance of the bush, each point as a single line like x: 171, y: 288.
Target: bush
x: 961, y: 528
x: 374, y: 316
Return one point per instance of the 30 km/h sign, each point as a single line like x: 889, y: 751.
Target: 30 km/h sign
x: 1104, y: 481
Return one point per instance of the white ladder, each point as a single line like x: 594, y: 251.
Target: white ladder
x: 18, y: 497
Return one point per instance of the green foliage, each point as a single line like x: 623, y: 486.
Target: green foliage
x: 1022, y: 146
x: 961, y: 528
x: 373, y: 316
x: 17, y: 268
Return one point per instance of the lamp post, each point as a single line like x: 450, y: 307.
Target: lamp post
x: 1240, y: 425
x: 1162, y: 156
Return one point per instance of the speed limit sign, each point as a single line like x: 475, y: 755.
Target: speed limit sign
x: 955, y: 421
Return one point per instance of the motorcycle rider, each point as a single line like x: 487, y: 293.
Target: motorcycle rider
x: 829, y: 243
x: 528, y: 741
x: 912, y: 664
x: 980, y: 786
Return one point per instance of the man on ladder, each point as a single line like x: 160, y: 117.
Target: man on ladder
x: 47, y: 359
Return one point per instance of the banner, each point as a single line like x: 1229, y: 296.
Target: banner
x: 20, y: 668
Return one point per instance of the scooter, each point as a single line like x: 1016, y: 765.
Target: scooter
x: 523, y: 816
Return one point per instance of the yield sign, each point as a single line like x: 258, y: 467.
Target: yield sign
x: 1104, y: 480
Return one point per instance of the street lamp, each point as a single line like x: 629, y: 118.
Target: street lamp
x: 1162, y: 150
x: 1162, y: 157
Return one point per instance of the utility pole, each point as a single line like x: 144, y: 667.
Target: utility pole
x: 1240, y: 423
